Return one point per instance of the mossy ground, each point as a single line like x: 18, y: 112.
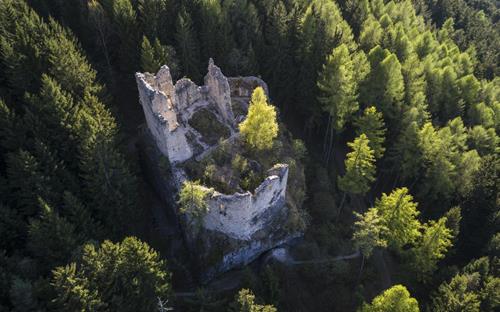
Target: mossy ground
x: 207, y: 124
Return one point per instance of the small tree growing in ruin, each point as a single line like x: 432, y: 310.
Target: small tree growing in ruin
x: 260, y: 128
x: 193, y: 200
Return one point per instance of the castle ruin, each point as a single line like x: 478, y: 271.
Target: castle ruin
x: 241, y: 225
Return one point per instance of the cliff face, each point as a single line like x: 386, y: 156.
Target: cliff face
x: 240, y: 226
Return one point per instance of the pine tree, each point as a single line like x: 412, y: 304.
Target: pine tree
x: 216, y: 38
x: 439, y: 169
x: 82, y: 217
x: 51, y: 239
x: 156, y: 55
x: 100, y: 22
x: 432, y: 247
x: 485, y: 141
x: 126, y: 27
x: 193, y: 200
x: 110, y: 186
x: 367, y: 236
x: 458, y: 295
x: 338, y: 92
x: 368, y: 232
x: 152, y: 17
x: 360, y: 167
x: 26, y: 182
x: 399, y: 215
x: 385, y: 84
x: 260, y: 128
x: 372, y: 124
x: 395, y: 299
x: 187, y: 46
x: 101, y: 278
x: 245, y: 302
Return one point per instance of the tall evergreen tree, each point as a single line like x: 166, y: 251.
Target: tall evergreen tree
x: 396, y: 299
x: 360, y: 168
x: 372, y: 124
x: 187, y: 46
x: 399, y: 215
x: 127, y: 276
x: 338, y: 92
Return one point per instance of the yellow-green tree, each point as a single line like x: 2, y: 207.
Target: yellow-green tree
x: 395, y: 299
x: 260, y: 128
x: 433, y: 245
x: 399, y: 214
x: 360, y: 167
x: 372, y: 124
x: 192, y: 199
x: 245, y: 302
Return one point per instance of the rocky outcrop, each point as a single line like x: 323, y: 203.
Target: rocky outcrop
x: 238, y: 227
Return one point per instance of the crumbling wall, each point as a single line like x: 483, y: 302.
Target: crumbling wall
x: 219, y: 91
x: 161, y: 118
x: 240, y: 215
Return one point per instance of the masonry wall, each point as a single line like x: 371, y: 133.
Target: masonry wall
x: 241, y: 215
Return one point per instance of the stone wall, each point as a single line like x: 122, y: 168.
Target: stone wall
x: 161, y: 116
x: 240, y: 215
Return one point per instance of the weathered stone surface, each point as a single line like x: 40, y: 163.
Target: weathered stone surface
x: 161, y: 119
x: 241, y: 215
x: 240, y: 226
x: 219, y: 91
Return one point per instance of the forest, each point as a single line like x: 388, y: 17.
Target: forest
x: 396, y: 105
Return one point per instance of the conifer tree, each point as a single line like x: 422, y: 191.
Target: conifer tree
x: 399, y: 215
x: 432, y: 247
x: 245, y: 302
x: 458, y: 295
x: 439, y: 168
x: 360, y: 169
x: 152, y: 17
x: 385, y: 84
x: 260, y: 128
x: 51, y: 239
x: 193, y: 200
x: 338, y: 92
x: 216, y: 38
x: 126, y: 276
x: 126, y: 27
x: 82, y: 217
x: 187, y: 45
x: 26, y: 182
x: 99, y: 21
x: 368, y: 234
x: 156, y: 55
x: 395, y: 299
x: 110, y: 186
x: 372, y: 124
